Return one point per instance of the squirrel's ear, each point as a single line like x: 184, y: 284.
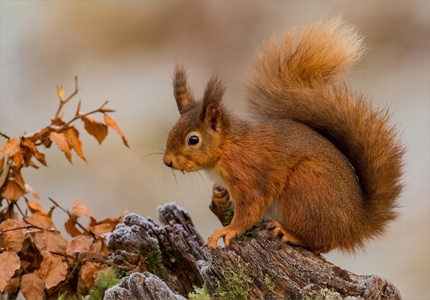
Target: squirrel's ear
x: 212, y: 107
x: 183, y: 95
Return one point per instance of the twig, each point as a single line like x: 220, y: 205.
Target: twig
x: 4, y: 135
x: 63, y: 102
x: 89, y: 233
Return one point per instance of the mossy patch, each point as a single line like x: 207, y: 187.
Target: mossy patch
x: 235, y: 285
x: 104, y: 281
x: 323, y: 294
x: 199, y: 294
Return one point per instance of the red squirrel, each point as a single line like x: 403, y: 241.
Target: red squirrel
x: 316, y: 159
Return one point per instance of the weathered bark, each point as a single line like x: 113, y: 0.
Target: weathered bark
x: 254, y: 267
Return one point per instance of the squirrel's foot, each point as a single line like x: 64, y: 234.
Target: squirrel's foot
x: 286, y: 235
x: 225, y: 232
x: 220, y: 196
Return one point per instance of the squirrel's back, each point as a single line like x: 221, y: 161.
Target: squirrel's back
x: 299, y: 78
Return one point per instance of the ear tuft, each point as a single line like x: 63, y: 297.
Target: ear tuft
x: 214, y: 91
x: 183, y: 95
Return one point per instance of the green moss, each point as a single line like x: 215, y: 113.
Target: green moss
x: 229, y: 213
x: 323, y: 294
x: 199, y: 294
x: 66, y: 296
x: 104, y: 281
x: 269, y: 282
x: 235, y: 285
x: 248, y: 233
x: 153, y: 261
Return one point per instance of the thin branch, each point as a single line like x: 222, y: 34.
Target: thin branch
x: 63, y: 102
x: 4, y: 135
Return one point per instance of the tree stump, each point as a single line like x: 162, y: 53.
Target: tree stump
x: 171, y: 262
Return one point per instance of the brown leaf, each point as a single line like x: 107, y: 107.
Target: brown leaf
x: 29, y: 189
x: 32, y: 151
x: 79, y: 244
x: 32, y: 286
x: 79, y: 209
x: 95, y: 128
x: 60, y: 92
x: 52, y: 269
x: 60, y: 140
x: 89, y: 273
x: 72, y: 136
x: 102, y: 226
x: 10, y: 148
x: 40, y: 220
x: 111, y: 122
x: 13, y: 285
x: 71, y: 229
x: 13, y: 239
x: 12, y: 191
x: 9, y: 262
x: 50, y: 241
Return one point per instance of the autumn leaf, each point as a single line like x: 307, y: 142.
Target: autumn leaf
x: 52, y: 269
x: 10, y: 148
x: 72, y: 136
x: 61, y: 142
x: 111, y: 122
x: 95, y: 128
x: 32, y: 151
x: 9, y: 262
x: 13, y: 238
x: 40, y: 220
x: 50, y: 241
x: 29, y: 189
x: 71, y: 229
x: 60, y: 92
x: 32, y: 286
x: 15, y: 185
x: 103, y: 226
x: 79, y: 244
x: 79, y: 209
x: 89, y: 272
x: 35, y: 207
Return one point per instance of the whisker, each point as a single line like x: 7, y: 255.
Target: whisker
x: 201, y: 177
x: 153, y: 153
x: 174, y: 175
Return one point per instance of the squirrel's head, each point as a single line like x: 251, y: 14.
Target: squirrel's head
x: 196, y: 141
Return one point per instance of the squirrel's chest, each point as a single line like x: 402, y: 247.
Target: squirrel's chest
x: 215, y: 177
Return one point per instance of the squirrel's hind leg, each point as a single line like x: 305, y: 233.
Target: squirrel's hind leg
x: 278, y: 229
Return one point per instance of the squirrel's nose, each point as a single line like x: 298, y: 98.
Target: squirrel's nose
x: 167, y: 161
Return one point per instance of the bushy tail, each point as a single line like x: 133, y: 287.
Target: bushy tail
x: 300, y: 78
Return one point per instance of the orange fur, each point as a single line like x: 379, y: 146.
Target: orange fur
x: 317, y: 159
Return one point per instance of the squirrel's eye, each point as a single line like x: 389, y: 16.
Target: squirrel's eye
x: 193, y: 140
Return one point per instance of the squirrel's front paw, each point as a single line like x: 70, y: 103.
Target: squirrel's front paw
x: 220, y: 196
x: 225, y: 232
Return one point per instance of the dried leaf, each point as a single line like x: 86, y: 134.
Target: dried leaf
x: 79, y: 209
x: 13, y: 239
x: 60, y: 92
x: 12, y: 191
x: 72, y: 136
x: 35, y: 207
x: 50, y: 241
x: 13, y: 285
x: 71, y: 229
x: 32, y: 286
x: 102, y: 226
x: 95, y: 128
x: 111, y: 122
x: 52, y: 269
x: 40, y: 220
x: 9, y: 262
x: 89, y: 273
x: 10, y: 148
x: 79, y: 244
x: 29, y: 189
x: 32, y: 151
x: 60, y: 140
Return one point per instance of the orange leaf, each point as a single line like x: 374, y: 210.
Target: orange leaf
x: 71, y: 229
x: 10, y: 147
x: 89, y: 273
x: 32, y: 286
x: 60, y: 140
x: 9, y: 262
x: 31, y: 147
x: 79, y: 209
x: 40, y: 220
x: 35, y: 207
x: 79, y: 244
x: 50, y: 241
x: 102, y: 226
x: 111, y: 122
x: 52, y: 269
x: 29, y: 189
x: 12, y: 191
x: 13, y: 239
x: 60, y: 92
x: 72, y: 136
x: 96, y: 129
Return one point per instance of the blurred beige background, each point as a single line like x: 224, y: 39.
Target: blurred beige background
x: 125, y: 51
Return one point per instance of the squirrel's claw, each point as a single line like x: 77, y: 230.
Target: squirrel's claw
x: 225, y: 232
x: 286, y: 236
